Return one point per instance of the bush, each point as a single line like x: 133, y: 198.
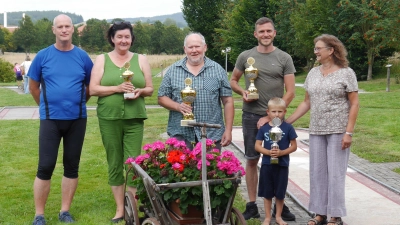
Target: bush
x: 6, y: 72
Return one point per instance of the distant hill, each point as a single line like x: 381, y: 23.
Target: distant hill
x: 13, y: 18
x: 178, y: 17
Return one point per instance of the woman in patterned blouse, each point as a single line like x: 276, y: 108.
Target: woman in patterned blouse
x: 332, y: 97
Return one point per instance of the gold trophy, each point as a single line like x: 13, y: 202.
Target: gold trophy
x: 251, y: 73
x: 188, y: 96
x: 127, y: 75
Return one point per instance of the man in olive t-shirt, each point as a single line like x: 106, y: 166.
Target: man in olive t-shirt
x: 275, y: 74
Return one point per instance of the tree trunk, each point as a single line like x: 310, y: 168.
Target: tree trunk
x: 371, y: 59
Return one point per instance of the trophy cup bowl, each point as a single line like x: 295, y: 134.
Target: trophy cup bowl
x: 275, y: 134
x: 188, y: 96
x: 251, y: 73
x: 127, y: 76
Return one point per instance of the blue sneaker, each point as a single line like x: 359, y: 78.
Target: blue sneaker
x: 39, y: 220
x: 65, y: 217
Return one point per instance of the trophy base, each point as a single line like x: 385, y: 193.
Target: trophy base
x: 185, y: 123
x: 129, y: 95
x: 274, y: 161
x: 252, y: 96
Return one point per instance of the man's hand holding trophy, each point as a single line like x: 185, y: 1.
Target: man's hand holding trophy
x: 251, y: 73
x: 188, y: 96
x: 127, y: 75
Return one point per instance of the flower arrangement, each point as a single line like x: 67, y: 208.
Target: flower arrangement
x: 173, y: 162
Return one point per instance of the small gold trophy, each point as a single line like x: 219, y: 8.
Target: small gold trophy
x: 251, y: 73
x: 127, y: 75
x: 188, y: 96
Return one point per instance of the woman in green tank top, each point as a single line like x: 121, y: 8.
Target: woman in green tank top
x: 121, y: 79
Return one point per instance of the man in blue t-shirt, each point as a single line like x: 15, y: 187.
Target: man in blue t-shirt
x: 59, y: 78
x: 274, y: 177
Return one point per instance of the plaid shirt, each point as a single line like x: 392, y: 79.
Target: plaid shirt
x: 210, y: 85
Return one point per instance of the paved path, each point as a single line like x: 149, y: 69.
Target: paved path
x: 367, y: 200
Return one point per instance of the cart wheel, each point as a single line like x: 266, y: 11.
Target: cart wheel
x: 131, y: 212
x: 151, y: 221
x: 236, y: 217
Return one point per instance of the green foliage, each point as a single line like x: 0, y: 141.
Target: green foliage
x: 204, y: 16
x: 374, y: 24
x: 93, y: 37
x: 142, y: 38
x: 44, y: 31
x: 155, y: 37
x: 172, y: 40
x: 6, y: 71
x: 8, y: 44
x: 24, y: 35
x: 237, y: 26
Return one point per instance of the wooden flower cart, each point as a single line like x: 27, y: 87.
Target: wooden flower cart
x: 160, y: 214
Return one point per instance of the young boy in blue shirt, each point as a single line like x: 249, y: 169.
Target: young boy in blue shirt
x: 274, y: 177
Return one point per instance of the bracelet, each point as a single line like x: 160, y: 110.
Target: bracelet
x: 349, y: 133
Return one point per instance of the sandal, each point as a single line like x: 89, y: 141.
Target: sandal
x: 338, y: 221
x: 317, y: 222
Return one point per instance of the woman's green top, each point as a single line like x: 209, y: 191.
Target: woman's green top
x: 113, y: 107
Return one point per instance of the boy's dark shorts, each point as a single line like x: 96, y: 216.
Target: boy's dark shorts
x: 273, y: 181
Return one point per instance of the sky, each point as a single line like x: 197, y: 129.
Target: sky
x: 99, y: 9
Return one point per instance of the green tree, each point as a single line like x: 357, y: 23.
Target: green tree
x: 44, y: 31
x: 8, y: 44
x: 169, y: 22
x: 142, y: 38
x: 25, y: 35
x: 374, y: 23
x: 237, y: 27
x: 93, y: 36
x: 204, y: 16
x: 172, y: 40
x: 156, y: 32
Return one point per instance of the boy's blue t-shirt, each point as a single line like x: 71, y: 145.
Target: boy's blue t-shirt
x: 63, y: 76
x: 288, y: 134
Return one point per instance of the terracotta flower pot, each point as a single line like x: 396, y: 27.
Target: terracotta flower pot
x: 193, y: 216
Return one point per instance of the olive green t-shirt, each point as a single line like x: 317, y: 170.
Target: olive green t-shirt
x: 113, y: 107
x: 272, y: 67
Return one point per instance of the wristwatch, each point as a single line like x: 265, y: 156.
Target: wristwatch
x: 350, y: 134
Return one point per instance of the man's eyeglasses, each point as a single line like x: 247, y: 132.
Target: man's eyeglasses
x: 122, y: 22
x: 319, y: 49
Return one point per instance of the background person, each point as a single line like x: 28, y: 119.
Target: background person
x: 63, y: 71
x: 274, y: 177
x: 26, y: 65
x: 275, y: 73
x: 332, y: 96
x: 212, y: 87
x: 121, y: 120
x: 18, y: 75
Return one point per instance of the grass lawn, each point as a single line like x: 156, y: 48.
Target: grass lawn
x: 375, y: 139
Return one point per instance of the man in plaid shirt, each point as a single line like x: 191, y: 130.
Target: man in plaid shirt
x: 212, y: 88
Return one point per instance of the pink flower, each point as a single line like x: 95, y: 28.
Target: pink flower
x: 129, y: 160
x: 177, y: 166
x: 139, y: 159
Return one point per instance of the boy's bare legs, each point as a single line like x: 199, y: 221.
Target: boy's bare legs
x: 279, y: 206
x: 41, y: 190
x: 267, y: 206
x: 68, y: 188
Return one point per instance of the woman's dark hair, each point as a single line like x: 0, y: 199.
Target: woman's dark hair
x: 116, y: 26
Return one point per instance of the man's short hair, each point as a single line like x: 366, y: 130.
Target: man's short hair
x: 264, y: 20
